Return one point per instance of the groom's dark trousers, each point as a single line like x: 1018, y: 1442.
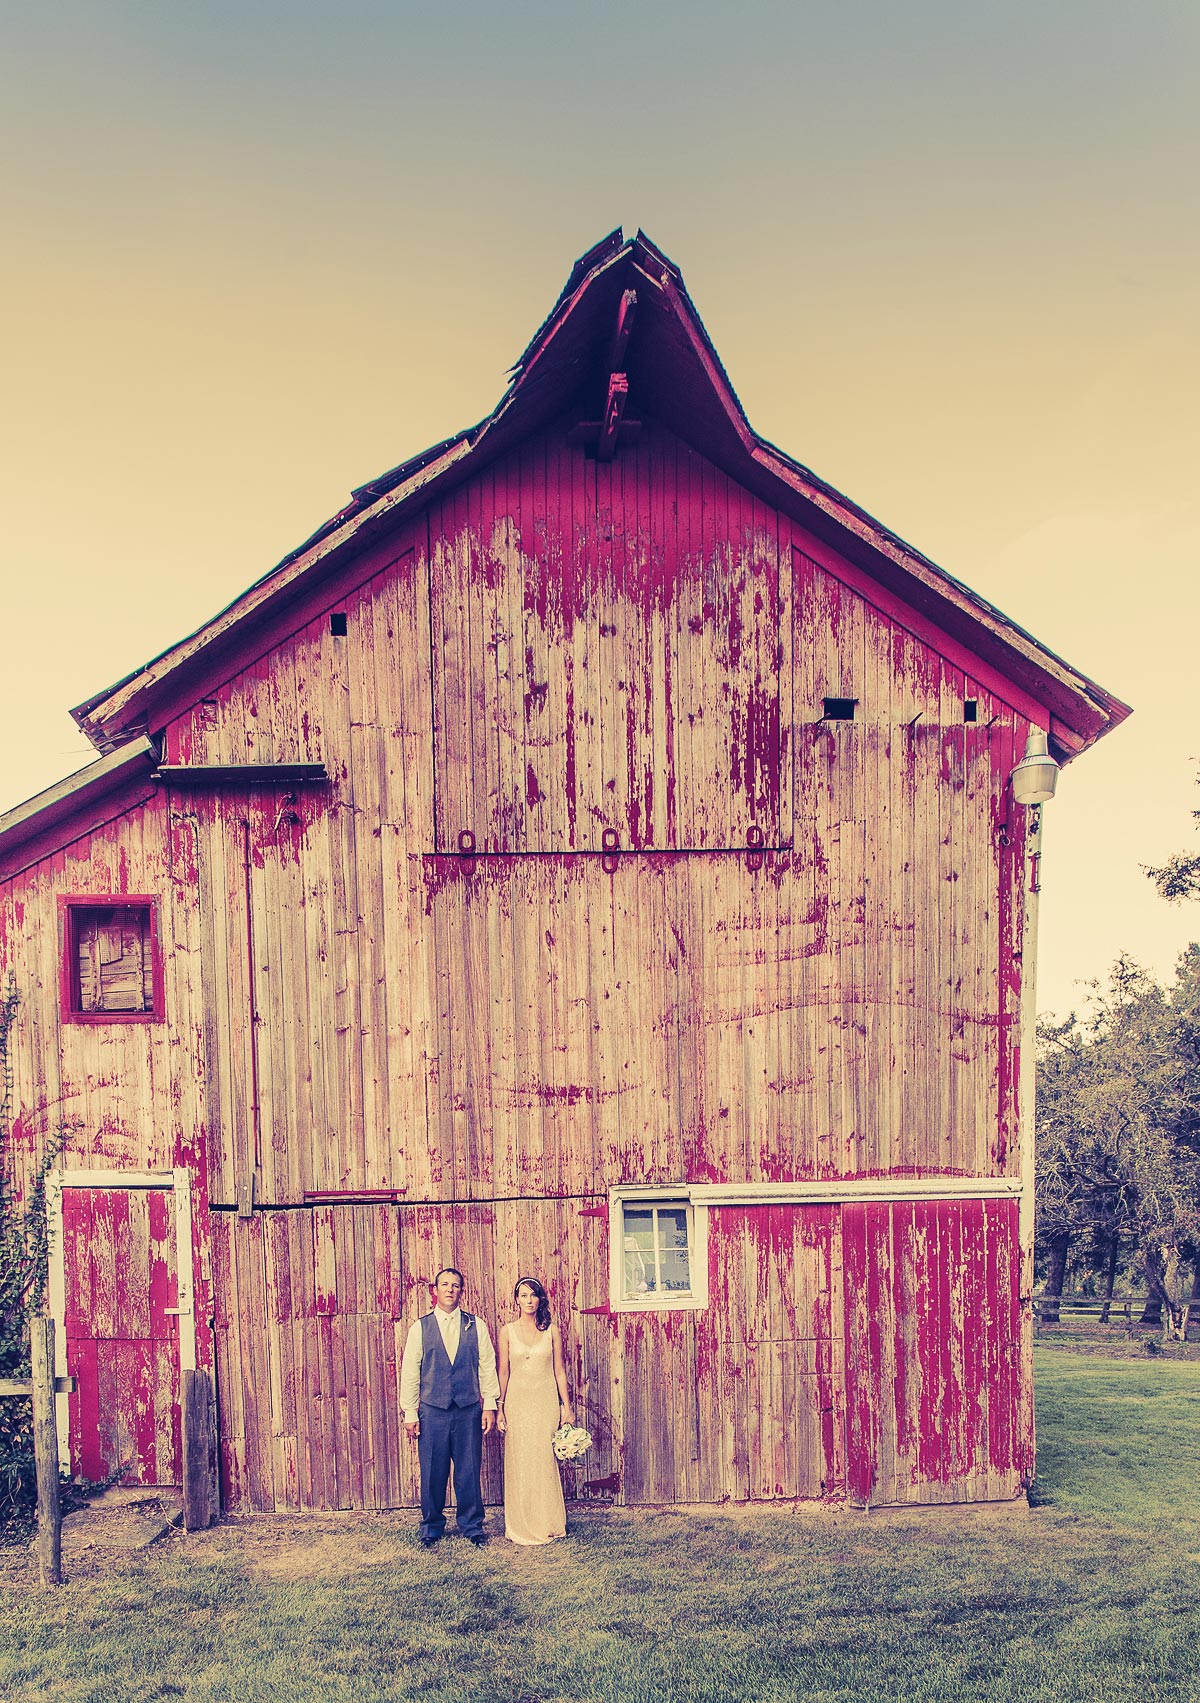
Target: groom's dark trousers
x: 450, y: 1433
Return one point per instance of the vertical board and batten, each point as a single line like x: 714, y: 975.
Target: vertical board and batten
x: 608, y: 653
x: 313, y: 1309
x: 594, y: 894
x: 855, y: 1016
x: 866, y: 1351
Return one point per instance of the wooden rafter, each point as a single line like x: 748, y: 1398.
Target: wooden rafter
x: 626, y: 315
x: 614, y: 408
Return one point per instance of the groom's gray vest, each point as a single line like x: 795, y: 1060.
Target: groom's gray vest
x: 443, y: 1384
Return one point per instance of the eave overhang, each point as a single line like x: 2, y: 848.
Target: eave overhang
x: 29, y: 829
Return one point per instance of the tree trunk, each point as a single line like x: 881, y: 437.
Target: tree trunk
x: 1191, y: 1330
x: 1156, y: 1291
x: 1110, y: 1276
x: 1151, y: 1313
x: 1052, y: 1293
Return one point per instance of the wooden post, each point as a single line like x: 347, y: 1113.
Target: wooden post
x: 199, y: 1452
x: 45, y: 1451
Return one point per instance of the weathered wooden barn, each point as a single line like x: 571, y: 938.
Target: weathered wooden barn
x: 592, y: 854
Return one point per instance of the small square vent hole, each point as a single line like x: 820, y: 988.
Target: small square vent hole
x: 839, y: 709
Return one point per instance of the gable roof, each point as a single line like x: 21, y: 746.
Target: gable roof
x: 675, y: 374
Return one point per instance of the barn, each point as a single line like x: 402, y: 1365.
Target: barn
x: 592, y: 854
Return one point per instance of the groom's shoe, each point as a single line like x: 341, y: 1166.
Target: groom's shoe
x: 428, y: 1539
x: 479, y: 1540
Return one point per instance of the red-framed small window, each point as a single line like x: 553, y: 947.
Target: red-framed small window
x: 111, y: 968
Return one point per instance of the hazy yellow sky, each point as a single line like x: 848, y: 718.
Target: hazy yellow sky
x: 256, y: 254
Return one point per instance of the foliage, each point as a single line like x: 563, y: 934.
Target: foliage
x: 1179, y: 876
x: 24, y: 1265
x: 1118, y: 1126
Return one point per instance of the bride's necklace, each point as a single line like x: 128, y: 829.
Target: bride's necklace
x: 525, y: 1343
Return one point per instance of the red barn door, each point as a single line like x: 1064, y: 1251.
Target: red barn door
x: 120, y: 1289
x: 932, y: 1321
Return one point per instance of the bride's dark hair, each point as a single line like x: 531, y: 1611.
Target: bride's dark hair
x: 543, y: 1300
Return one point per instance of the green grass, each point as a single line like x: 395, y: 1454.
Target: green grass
x: 1121, y: 1442
x: 1094, y: 1596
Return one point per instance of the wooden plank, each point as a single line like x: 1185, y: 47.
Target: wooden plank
x: 199, y: 1451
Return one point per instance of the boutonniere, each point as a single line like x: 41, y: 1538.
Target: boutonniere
x: 468, y: 1321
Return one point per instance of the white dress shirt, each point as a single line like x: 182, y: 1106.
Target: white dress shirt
x: 451, y: 1328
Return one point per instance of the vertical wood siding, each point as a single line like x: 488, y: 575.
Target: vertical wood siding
x: 314, y: 1306
x: 861, y: 1350
x: 607, y: 653
x: 796, y: 955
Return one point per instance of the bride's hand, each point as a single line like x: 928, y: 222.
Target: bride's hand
x: 501, y: 1422
x: 568, y: 1413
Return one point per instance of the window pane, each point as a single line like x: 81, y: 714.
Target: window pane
x: 639, y: 1229
x: 672, y: 1226
x: 639, y: 1252
x: 673, y: 1249
x: 639, y: 1274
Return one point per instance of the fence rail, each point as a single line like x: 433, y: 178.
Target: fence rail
x: 1123, y: 1312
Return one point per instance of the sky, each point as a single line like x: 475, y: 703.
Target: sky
x: 949, y: 254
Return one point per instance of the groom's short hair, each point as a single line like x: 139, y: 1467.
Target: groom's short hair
x: 451, y: 1270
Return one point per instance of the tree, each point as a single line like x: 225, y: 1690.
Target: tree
x: 1119, y: 1133
x: 1179, y: 876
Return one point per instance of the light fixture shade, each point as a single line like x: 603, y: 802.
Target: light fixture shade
x: 1036, y: 775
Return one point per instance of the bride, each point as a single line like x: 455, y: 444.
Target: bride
x: 533, y: 1403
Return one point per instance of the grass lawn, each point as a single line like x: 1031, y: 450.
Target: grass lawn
x: 1095, y: 1594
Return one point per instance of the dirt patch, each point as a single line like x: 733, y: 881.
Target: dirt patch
x: 838, y: 1515
x: 326, y: 1555
x: 283, y: 1547
x: 102, y: 1535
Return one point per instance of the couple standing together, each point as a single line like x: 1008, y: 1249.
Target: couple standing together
x: 453, y: 1394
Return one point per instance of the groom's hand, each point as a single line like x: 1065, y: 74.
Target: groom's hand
x: 489, y: 1420
x: 413, y: 1427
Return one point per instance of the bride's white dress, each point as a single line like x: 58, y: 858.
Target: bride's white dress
x: 534, y: 1509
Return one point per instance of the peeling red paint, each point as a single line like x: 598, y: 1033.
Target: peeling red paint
x: 565, y: 1094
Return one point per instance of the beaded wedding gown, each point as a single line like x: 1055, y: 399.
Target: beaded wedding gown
x: 534, y: 1510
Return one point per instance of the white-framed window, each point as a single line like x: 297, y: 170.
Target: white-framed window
x: 658, y: 1242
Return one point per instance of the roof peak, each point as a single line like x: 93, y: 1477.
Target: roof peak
x: 623, y: 336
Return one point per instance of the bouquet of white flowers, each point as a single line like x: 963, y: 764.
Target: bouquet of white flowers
x: 570, y: 1442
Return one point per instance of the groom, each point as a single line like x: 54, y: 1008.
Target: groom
x: 447, y: 1375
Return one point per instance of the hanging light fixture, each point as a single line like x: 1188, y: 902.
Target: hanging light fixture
x: 1036, y: 775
